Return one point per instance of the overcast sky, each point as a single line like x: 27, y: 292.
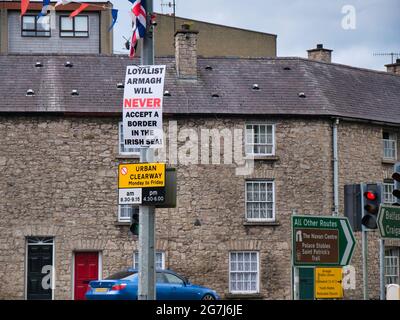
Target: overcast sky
x: 299, y: 24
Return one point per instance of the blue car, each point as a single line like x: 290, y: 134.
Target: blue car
x: 170, y: 286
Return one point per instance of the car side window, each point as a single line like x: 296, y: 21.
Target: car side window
x: 172, y: 279
x: 161, y: 278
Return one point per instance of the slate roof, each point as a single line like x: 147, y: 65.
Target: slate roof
x: 330, y: 89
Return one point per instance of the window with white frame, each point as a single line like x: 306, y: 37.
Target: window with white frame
x: 125, y: 212
x: 260, y: 139
x: 160, y: 260
x: 389, y: 145
x: 392, y: 274
x: 260, y: 200
x: 388, y: 197
x: 122, y: 149
x: 244, y: 272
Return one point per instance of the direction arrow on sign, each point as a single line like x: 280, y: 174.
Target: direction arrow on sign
x: 321, y: 241
x: 389, y: 221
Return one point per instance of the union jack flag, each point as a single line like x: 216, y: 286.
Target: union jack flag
x: 139, y: 24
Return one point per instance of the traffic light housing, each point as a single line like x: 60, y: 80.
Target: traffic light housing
x: 134, y: 228
x: 396, y: 178
x: 371, y: 200
x: 361, y: 205
x: 352, y: 205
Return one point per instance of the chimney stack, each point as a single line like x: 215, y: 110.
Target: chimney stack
x: 394, y: 67
x: 186, y: 52
x: 320, y: 54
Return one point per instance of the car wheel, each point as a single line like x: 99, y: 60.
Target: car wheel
x: 208, y: 297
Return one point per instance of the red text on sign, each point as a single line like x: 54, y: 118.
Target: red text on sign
x: 142, y: 103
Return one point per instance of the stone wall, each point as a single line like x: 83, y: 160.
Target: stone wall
x: 59, y: 178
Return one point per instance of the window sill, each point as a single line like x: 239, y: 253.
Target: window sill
x: 122, y: 224
x: 388, y: 161
x: 128, y: 156
x: 261, y: 223
x: 243, y: 296
x: 264, y: 158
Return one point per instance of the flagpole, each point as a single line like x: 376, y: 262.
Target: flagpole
x: 147, y: 272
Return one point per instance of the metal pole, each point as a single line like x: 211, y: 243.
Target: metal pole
x: 364, y: 242
x: 382, y: 268
x: 147, y: 273
x: 174, y: 5
x: 296, y: 279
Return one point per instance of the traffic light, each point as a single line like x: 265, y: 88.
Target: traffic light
x: 352, y: 205
x: 371, y: 200
x: 396, y: 178
x: 134, y: 228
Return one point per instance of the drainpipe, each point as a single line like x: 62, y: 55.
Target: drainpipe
x: 335, y: 168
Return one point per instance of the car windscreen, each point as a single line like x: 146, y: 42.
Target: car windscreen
x: 121, y: 275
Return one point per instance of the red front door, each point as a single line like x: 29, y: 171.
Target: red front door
x: 86, y: 269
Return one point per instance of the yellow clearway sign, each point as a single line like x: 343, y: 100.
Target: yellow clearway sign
x: 141, y: 175
x: 328, y: 283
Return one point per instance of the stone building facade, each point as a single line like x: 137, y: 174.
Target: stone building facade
x: 59, y: 180
x: 59, y: 155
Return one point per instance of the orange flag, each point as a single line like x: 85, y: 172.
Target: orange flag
x: 24, y: 6
x: 82, y: 7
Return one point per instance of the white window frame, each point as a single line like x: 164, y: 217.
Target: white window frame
x: 246, y: 144
x: 136, y: 253
x: 123, y: 219
x: 392, y: 261
x: 390, y: 149
x: 388, y: 196
x: 258, y: 273
x: 266, y: 219
x: 131, y: 151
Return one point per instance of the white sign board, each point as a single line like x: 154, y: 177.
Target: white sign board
x: 393, y: 292
x: 142, y: 107
x: 130, y: 196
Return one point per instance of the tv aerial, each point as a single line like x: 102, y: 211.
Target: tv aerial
x: 392, y: 54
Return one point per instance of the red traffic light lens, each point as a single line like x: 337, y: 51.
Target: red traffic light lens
x: 370, y: 195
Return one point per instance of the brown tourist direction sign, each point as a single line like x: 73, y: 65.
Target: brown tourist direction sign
x: 321, y: 241
x: 317, y: 246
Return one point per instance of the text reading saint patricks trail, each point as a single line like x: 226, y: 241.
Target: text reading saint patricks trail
x: 142, y: 107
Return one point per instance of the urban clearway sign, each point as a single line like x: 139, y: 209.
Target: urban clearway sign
x: 389, y: 221
x: 321, y: 241
x: 141, y: 183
